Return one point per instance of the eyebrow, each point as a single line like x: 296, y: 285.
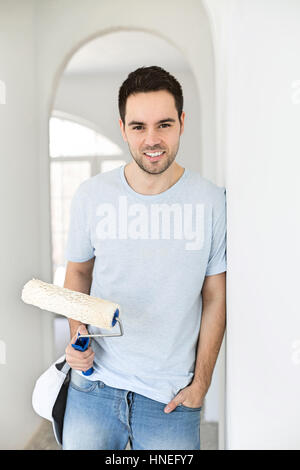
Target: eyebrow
x: 138, y: 123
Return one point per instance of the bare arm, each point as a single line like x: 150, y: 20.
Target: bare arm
x: 79, y: 278
x: 211, y: 333
x: 212, y: 330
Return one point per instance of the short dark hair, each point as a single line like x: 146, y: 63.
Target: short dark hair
x: 146, y: 79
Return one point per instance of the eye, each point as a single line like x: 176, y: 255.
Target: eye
x: 165, y: 124
x: 136, y: 127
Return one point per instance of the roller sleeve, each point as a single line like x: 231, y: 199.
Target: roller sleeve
x: 72, y: 304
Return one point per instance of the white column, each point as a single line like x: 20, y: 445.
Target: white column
x: 261, y: 148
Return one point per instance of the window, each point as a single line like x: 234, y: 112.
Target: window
x: 71, y: 139
x: 65, y: 178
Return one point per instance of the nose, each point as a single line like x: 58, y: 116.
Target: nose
x: 152, y: 138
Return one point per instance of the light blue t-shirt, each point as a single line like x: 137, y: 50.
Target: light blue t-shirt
x: 152, y: 253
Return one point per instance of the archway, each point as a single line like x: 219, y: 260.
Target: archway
x: 82, y: 69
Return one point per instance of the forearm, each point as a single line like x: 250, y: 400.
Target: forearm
x: 80, y: 283
x: 211, y: 334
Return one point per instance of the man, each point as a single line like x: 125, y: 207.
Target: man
x: 150, y: 236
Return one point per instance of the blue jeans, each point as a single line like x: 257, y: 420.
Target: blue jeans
x: 101, y: 417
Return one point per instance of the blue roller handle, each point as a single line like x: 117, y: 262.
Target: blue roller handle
x: 81, y: 344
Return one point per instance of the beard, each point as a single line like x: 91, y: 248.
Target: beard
x: 154, y: 168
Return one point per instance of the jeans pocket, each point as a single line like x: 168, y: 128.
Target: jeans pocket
x: 199, y: 408
x: 82, y: 384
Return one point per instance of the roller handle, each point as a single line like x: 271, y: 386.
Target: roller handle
x: 81, y: 344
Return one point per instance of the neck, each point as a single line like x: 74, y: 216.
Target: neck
x: 145, y: 183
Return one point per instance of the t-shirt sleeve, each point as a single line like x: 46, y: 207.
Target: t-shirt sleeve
x: 217, y: 262
x: 79, y: 247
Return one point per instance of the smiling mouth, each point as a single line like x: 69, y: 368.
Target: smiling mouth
x: 154, y: 156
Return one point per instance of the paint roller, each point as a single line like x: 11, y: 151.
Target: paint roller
x: 75, y: 305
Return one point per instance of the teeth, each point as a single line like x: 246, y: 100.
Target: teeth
x: 154, y: 154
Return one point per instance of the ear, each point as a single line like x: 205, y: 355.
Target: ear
x: 182, y: 122
x: 122, y: 129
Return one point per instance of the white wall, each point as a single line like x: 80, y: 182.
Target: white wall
x: 20, y: 325
x: 260, y: 50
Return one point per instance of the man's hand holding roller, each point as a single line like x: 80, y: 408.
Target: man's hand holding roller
x: 79, y: 360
